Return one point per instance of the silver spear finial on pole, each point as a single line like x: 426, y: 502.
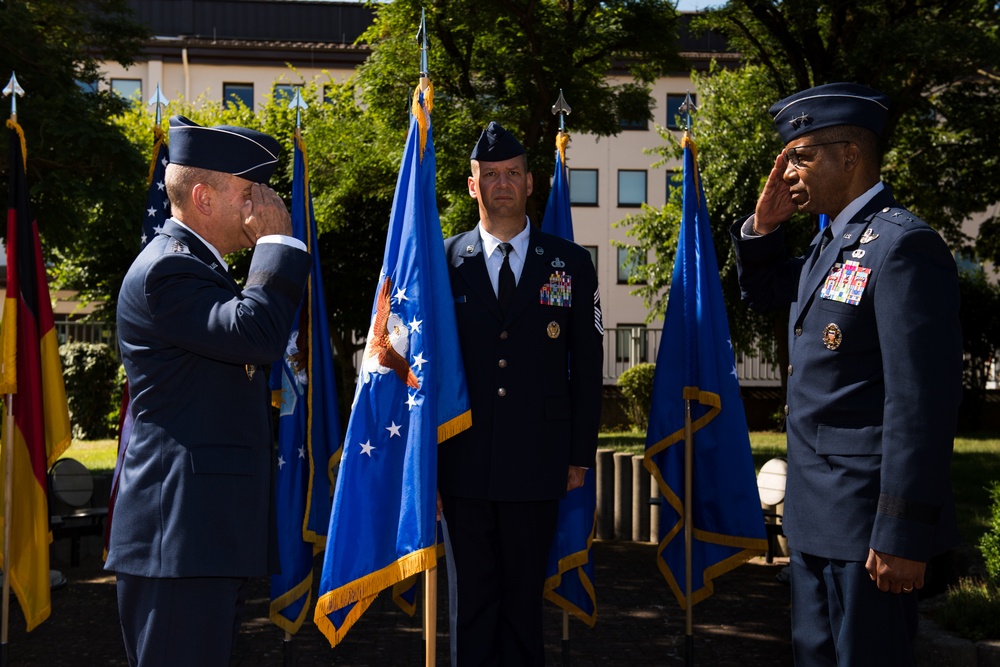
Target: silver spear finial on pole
x: 563, y: 109
x: 13, y: 89
x: 299, y: 105
x: 158, y: 101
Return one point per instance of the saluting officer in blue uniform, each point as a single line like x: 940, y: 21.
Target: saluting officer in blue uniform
x: 194, y: 515
x: 529, y: 324
x: 874, y: 379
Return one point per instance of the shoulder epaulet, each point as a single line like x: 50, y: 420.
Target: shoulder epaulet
x: 896, y: 215
x: 178, y: 247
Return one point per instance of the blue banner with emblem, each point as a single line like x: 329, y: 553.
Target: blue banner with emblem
x: 696, y: 363
x: 309, y: 435
x: 411, y: 395
x: 569, y: 576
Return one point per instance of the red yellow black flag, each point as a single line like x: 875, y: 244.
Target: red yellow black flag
x: 31, y: 379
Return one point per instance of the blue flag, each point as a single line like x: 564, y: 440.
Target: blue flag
x: 696, y: 363
x: 309, y: 436
x: 157, y: 210
x: 569, y: 576
x: 411, y: 395
x: 558, y: 219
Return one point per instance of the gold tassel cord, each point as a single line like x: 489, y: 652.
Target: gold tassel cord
x: 13, y: 124
x: 157, y: 142
x: 422, y: 112
x: 562, y: 141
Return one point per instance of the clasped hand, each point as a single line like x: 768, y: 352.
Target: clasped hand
x: 895, y: 574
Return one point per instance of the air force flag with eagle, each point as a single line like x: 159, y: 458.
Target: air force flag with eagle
x: 411, y: 394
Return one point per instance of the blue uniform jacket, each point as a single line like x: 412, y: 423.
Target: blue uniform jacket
x: 195, y: 494
x: 874, y: 383
x: 534, y: 378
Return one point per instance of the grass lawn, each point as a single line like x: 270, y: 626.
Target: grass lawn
x: 975, y: 465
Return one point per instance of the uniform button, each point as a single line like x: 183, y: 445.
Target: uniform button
x: 789, y: 370
x: 503, y: 335
x: 798, y: 331
x: 501, y: 392
x: 786, y: 409
x: 502, y: 363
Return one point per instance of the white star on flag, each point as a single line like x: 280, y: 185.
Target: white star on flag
x: 412, y: 401
x: 281, y: 462
x: 415, y: 325
x: 394, y: 429
x: 150, y: 212
x: 366, y: 448
x: 400, y: 295
x: 419, y: 361
x: 302, y: 452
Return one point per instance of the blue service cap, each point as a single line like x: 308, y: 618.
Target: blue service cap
x: 828, y: 105
x: 496, y: 145
x: 233, y: 150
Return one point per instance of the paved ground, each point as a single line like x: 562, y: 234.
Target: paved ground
x: 639, y: 623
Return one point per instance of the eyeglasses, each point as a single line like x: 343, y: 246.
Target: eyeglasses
x: 793, y: 157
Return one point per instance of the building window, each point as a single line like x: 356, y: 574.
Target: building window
x: 674, y: 182
x: 631, y: 344
x: 676, y: 120
x: 130, y: 89
x: 631, y: 187
x: 592, y: 249
x: 238, y: 93
x: 639, y: 124
x: 285, y: 92
x: 628, y: 267
x: 583, y: 187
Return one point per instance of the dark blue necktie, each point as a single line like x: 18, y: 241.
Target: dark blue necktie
x: 507, y: 284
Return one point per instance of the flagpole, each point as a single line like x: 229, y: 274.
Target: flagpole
x: 562, y: 109
x: 13, y: 89
x: 7, y: 495
x: 686, y: 108
x: 688, y: 528
x: 430, y: 575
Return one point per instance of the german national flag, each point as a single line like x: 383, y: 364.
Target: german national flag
x: 32, y: 382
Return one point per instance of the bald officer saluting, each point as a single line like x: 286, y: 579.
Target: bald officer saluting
x: 194, y: 515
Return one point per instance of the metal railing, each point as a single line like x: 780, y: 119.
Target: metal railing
x: 87, y: 332
x: 625, y: 347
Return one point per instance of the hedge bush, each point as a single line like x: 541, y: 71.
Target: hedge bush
x: 636, y: 385
x: 91, y: 371
x: 989, y: 543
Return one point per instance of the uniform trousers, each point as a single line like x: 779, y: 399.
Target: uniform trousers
x: 190, y: 621
x: 498, y: 553
x: 841, y: 619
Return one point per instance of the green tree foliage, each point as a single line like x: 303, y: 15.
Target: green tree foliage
x: 353, y: 162
x: 936, y: 60
x: 507, y: 61
x: 81, y: 170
